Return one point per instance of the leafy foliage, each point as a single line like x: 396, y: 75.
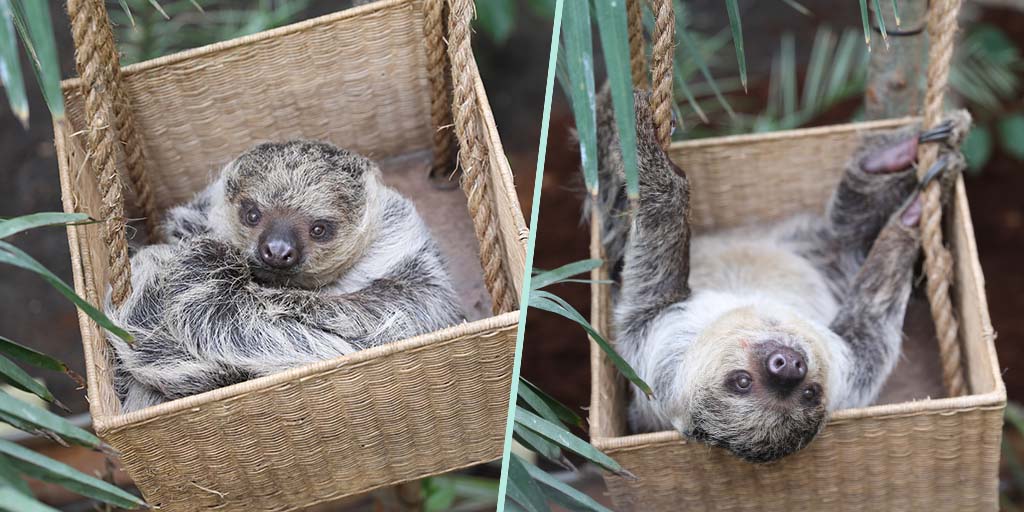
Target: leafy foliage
x: 15, y: 460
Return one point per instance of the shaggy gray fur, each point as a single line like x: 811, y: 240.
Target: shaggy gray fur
x: 206, y: 312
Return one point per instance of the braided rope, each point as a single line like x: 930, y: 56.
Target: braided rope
x: 472, y: 154
x: 661, y: 73
x: 938, y: 263
x: 440, y: 113
x: 94, y: 43
x: 637, y: 57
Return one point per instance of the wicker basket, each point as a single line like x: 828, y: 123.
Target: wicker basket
x: 939, y: 454
x: 363, y: 79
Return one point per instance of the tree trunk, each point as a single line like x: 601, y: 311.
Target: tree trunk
x: 895, y: 75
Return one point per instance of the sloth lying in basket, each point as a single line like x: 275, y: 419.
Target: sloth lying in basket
x: 295, y: 254
x: 751, y: 337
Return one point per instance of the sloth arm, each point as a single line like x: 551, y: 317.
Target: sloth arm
x: 656, y: 267
x: 870, y: 319
x: 226, y: 317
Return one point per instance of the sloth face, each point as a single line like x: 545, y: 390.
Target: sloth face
x: 760, y: 386
x: 301, y: 210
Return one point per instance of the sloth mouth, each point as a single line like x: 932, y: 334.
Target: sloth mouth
x: 273, y: 277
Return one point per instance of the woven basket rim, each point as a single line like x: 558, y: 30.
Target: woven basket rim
x: 747, y: 138
x: 938, y: 406
x: 76, y: 82
x: 482, y: 327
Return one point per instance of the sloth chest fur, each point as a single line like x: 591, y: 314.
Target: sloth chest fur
x: 767, y: 268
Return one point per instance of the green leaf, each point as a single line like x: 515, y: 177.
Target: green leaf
x: 566, y: 439
x: 127, y: 11
x: 543, y: 447
x: 611, y: 23
x: 22, y: 380
x: 497, y: 18
x: 557, y: 275
x: 49, y: 470
x: 156, y: 5
x: 522, y: 488
x: 30, y: 356
x: 18, y: 224
x: 896, y: 11
x: 11, y: 75
x: 563, y: 493
x: 1011, y: 135
x: 864, y: 21
x: 800, y: 8
x: 578, y: 58
x: 11, y: 500
x: 881, y: 23
x: 13, y: 256
x: 563, y: 413
x: 439, y: 494
x: 10, y: 478
x: 977, y: 147
x: 32, y: 19
x: 549, y: 302
x: 46, y: 420
x: 737, y: 38
x: 688, y: 42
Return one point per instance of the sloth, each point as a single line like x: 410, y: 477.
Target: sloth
x: 751, y: 337
x: 296, y: 253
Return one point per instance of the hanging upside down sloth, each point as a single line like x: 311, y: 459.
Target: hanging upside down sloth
x: 751, y: 337
x: 295, y: 254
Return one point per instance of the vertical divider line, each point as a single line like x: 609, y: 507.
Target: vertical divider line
x: 524, y: 300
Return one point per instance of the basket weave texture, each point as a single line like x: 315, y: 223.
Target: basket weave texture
x: 360, y: 79
x: 938, y: 454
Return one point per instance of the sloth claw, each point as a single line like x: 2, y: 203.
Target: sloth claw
x: 897, y: 157
x: 911, y: 215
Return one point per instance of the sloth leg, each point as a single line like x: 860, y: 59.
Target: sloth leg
x: 870, y: 320
x: 656, y: 266
x: 877, y: 180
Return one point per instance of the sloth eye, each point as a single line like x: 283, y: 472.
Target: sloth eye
x: 318, y: 230
x: 252, y: 216
x: 742, y: 382
x: 810, y: 394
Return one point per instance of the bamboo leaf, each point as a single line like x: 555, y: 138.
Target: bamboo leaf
x: 46, y: 420
x: 11, y: 75
x: 563, y: 493
x: 543, y: 447
x: 11, y: 500
x: 20, y: 379
x: 566, y: 439
x: 611, y: 23
x: 881, y: 23
x: 564, y: 414
x: 578, y: 59
x: 127, y: 11
x: 156, y: 5
x: 550, y: 277
x: 896, y: 11
x: 10, y: 478
x: 864, y: 21
x: 49, y: 470
x: 688, y: 42
x: 737, y: 38
x: 30, y: 356
x: 32, y: 19
x: 800, y: 8
x: 18, y: 224
x: 523, y: 489
x: 555, y: 304
x: 13, y: 256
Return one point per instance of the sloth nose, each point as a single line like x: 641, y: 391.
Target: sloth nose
x: 279, y: 253
x: 786, y: 368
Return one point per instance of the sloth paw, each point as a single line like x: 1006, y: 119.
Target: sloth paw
x: 893, y: 158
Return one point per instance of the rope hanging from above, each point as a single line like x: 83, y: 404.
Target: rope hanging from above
x: 472, y: 154
x: 938, y: 263
x: 662, y: 51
